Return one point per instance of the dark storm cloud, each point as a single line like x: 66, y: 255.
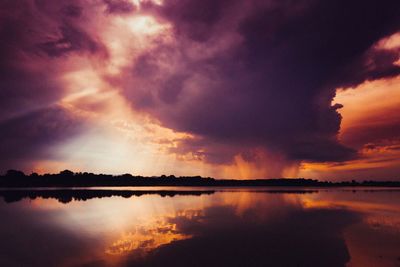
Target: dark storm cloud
x: 119, y: 6
x: 31, y: 137
x: 72, y: 11
x: 194, y: 19
x: 19, y: 84
x: 237, y: 75
x: 33, y: 34
x: 263, y: 73
x: 71, y: 39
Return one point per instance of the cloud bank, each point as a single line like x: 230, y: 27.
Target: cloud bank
x: 261, y: 74
x: 253, y: 80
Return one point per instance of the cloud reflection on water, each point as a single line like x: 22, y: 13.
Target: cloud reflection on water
x: 235, y: 228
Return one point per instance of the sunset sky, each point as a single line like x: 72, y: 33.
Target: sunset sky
x: 229, y: 89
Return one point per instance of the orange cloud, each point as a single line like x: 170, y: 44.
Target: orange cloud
x: 371, y: 124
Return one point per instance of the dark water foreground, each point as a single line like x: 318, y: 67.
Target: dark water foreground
x: 197, y: 227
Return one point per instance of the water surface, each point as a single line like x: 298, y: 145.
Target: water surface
x: 200, y: 227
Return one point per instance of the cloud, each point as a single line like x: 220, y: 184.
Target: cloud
x: 71, y: 39
x: 31, y: 137
x: 254, y: 74
x: 119, y: 6
x: 34, y: 36
x: 235, y: 77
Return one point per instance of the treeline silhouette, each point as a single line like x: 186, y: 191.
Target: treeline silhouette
x: 66, y: 178
x: 67, y: 195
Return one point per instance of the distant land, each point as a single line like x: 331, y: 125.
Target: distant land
x: 66, y: 178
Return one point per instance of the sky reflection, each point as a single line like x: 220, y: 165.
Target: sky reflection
x: 225, y: 228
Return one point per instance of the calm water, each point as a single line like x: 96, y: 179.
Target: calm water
x: 230, y: 227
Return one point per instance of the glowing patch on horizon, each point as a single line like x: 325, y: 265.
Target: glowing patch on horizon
x: 263, y: 165
x: 116, y: 139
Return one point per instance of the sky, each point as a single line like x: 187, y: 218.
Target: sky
x: 229, y: 89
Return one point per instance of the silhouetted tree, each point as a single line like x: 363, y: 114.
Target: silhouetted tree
x: 15, y: 173
x: 66, y: 173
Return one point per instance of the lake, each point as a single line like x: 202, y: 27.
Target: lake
x: 200, y: 227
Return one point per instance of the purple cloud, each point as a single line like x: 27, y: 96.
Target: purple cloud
x: 32, y: 34
x: 251, y: 74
